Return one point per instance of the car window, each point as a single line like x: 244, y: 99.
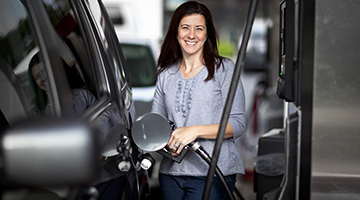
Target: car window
x: 23, y: 72
x: 29, y: 88
x: 23, y: 86
x: 91, y: 82
x: 71, y: 47
x: 140, y: 64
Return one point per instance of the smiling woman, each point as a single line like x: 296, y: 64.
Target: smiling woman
x: 191, y: 89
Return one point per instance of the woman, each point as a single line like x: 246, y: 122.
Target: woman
x: 191, y: 90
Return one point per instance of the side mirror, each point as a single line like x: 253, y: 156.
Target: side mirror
x: 44, y: 153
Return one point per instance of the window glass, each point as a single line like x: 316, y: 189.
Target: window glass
x: 18, y: 65
x: 56, y: 10
x: 79, y: 71
x: 16, y: 37
x: 81, y: 75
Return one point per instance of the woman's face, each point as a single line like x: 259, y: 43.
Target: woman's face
x: 38, y: 74
x: 192, y: 34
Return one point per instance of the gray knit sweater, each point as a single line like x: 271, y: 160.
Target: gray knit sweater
x: 193, y: 101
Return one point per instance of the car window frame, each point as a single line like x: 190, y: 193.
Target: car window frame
x: 24, y: 107
x: 123, y: 84
x: 85, y: 14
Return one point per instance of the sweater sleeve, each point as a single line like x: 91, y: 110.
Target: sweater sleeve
x: 158, y: 105
x: 237, y: 113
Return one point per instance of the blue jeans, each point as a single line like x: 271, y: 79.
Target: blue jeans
x: 192, y: 187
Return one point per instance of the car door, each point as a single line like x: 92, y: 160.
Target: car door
x: 78, y: 51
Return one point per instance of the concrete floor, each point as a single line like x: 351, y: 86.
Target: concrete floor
x: 245, y: 186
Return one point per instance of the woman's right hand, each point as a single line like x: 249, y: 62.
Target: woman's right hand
x: 180, y: 137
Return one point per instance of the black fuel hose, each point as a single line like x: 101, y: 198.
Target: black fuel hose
x: 230, y: 98
x: 195, y: 146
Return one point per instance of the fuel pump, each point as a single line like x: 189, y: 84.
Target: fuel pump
x: 286, y: 82
x: 284, y: 187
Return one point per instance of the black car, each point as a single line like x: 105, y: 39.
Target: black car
x: 47, y: 139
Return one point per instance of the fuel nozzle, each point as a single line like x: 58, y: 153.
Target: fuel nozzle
x: 196, y: 146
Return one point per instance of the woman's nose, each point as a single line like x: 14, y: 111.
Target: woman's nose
x: 191, y: 34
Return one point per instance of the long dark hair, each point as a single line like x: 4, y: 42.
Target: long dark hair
x: 171, y: 50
